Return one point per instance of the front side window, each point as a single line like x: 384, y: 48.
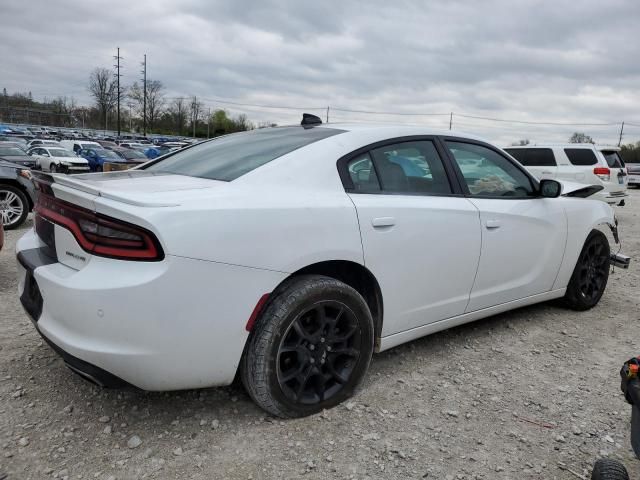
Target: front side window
x: 533, y: 157
x: 489, y: 174
x: 411, y: 167
x: 581, y: 156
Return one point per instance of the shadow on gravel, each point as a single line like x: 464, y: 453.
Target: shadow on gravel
x: 163, y: 408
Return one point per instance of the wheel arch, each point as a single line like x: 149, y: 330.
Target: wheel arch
x: 359, y: 278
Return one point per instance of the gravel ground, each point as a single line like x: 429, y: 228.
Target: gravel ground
x: 533, y: 393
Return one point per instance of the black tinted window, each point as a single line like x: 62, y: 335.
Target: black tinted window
x: 363, y: 175
x: 229, y: 157
x: 489, y: 174
x: 533, y: 157
x: 581, y: 156
x: 411, y: 167
x: 613, y: 159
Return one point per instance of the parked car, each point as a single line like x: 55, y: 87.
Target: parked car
x: 97, y: 156
x: 633, y: 169
x: 288, y: 255
x: 58, y: 159
x: 77, y: 145
x: 1, y: 235
x: 130, y: 154
x: 583, y: 163
x: 17, y: 194
x: 106, y: 143
x: 39, y: 142
x: 17, y: 155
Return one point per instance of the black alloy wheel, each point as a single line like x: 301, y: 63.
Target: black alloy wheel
x: 310, y: 347
x: 591, y: 273
x: 319, y: 352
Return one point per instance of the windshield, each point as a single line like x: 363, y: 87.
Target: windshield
x: 13, y: 151
x: 133, y: 154
x: 60, y: 152
x: 613, y: 159
x: 229, y: 157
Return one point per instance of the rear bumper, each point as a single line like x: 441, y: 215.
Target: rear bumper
x: 168, y: 325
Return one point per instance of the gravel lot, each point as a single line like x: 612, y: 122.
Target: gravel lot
x: 533, y: 393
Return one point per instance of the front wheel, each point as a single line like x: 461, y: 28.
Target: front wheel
x: 310, y: 348
x: 590, y: 275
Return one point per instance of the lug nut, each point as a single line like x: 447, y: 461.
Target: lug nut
x: 322, y: 340
x: 312, y: 347
x: 312, y: 360
x: 328, y: 348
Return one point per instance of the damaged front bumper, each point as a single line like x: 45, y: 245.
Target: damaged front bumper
x: 618, y: 259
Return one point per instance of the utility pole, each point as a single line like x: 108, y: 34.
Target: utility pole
x: 194, y: 114
x: 144, y: 95
x: 208, y: 121
x: 327, y: 114
x: 117, y: 65
x: 450, y: 120
x: 621, y: 131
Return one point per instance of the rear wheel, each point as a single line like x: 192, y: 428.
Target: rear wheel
x: 310, y: 348
x: 14, y: 206
x: 607, y: 469
x: 590, y: 275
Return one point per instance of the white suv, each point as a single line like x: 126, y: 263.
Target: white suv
x: 577, y: 162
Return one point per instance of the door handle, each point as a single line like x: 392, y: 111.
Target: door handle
x: 491, y: 224
x: 381, y: 222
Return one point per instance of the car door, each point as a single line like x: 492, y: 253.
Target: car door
x: 420, y: 240
x: 523, y: 235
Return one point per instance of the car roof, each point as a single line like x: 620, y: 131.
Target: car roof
x: 566, y: 145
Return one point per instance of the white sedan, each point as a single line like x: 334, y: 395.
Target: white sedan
x: 58, y: 159
x: 290, y: 255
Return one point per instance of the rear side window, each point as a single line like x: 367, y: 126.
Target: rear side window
x: 613, y: 159
x: 581, y: 156
x: 411, y: 167
x: 533, y: 157
x: 363, y: 175
x: 231, y: 156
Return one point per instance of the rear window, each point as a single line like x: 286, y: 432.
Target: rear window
x: 581, y: 156
x: 229, y: 157
x: 533, y: 157
x: 613, y: 159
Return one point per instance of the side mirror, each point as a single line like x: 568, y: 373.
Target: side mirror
x: 550, y: 188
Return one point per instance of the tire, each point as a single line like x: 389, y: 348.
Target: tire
x: 53, y: 168
x: 14, y: 206
x: 296, y: 363
x: 590, y: 275
x: 98, y: 168
x: 607, y: 469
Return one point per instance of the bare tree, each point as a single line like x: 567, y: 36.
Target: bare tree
x: 155, y: 100
x: 579, y: 137
x: 178, y: 110
x: 103, y: 89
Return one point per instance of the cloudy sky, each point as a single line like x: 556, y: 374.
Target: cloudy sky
x: 562, y: 61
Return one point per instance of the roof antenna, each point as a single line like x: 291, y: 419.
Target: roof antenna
x: 309, y: 120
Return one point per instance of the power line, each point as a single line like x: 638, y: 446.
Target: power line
x: 389, y: 113
x: 539, y: 123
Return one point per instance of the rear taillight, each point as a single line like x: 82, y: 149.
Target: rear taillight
x: 603, y: 173
x: 99, y: 234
